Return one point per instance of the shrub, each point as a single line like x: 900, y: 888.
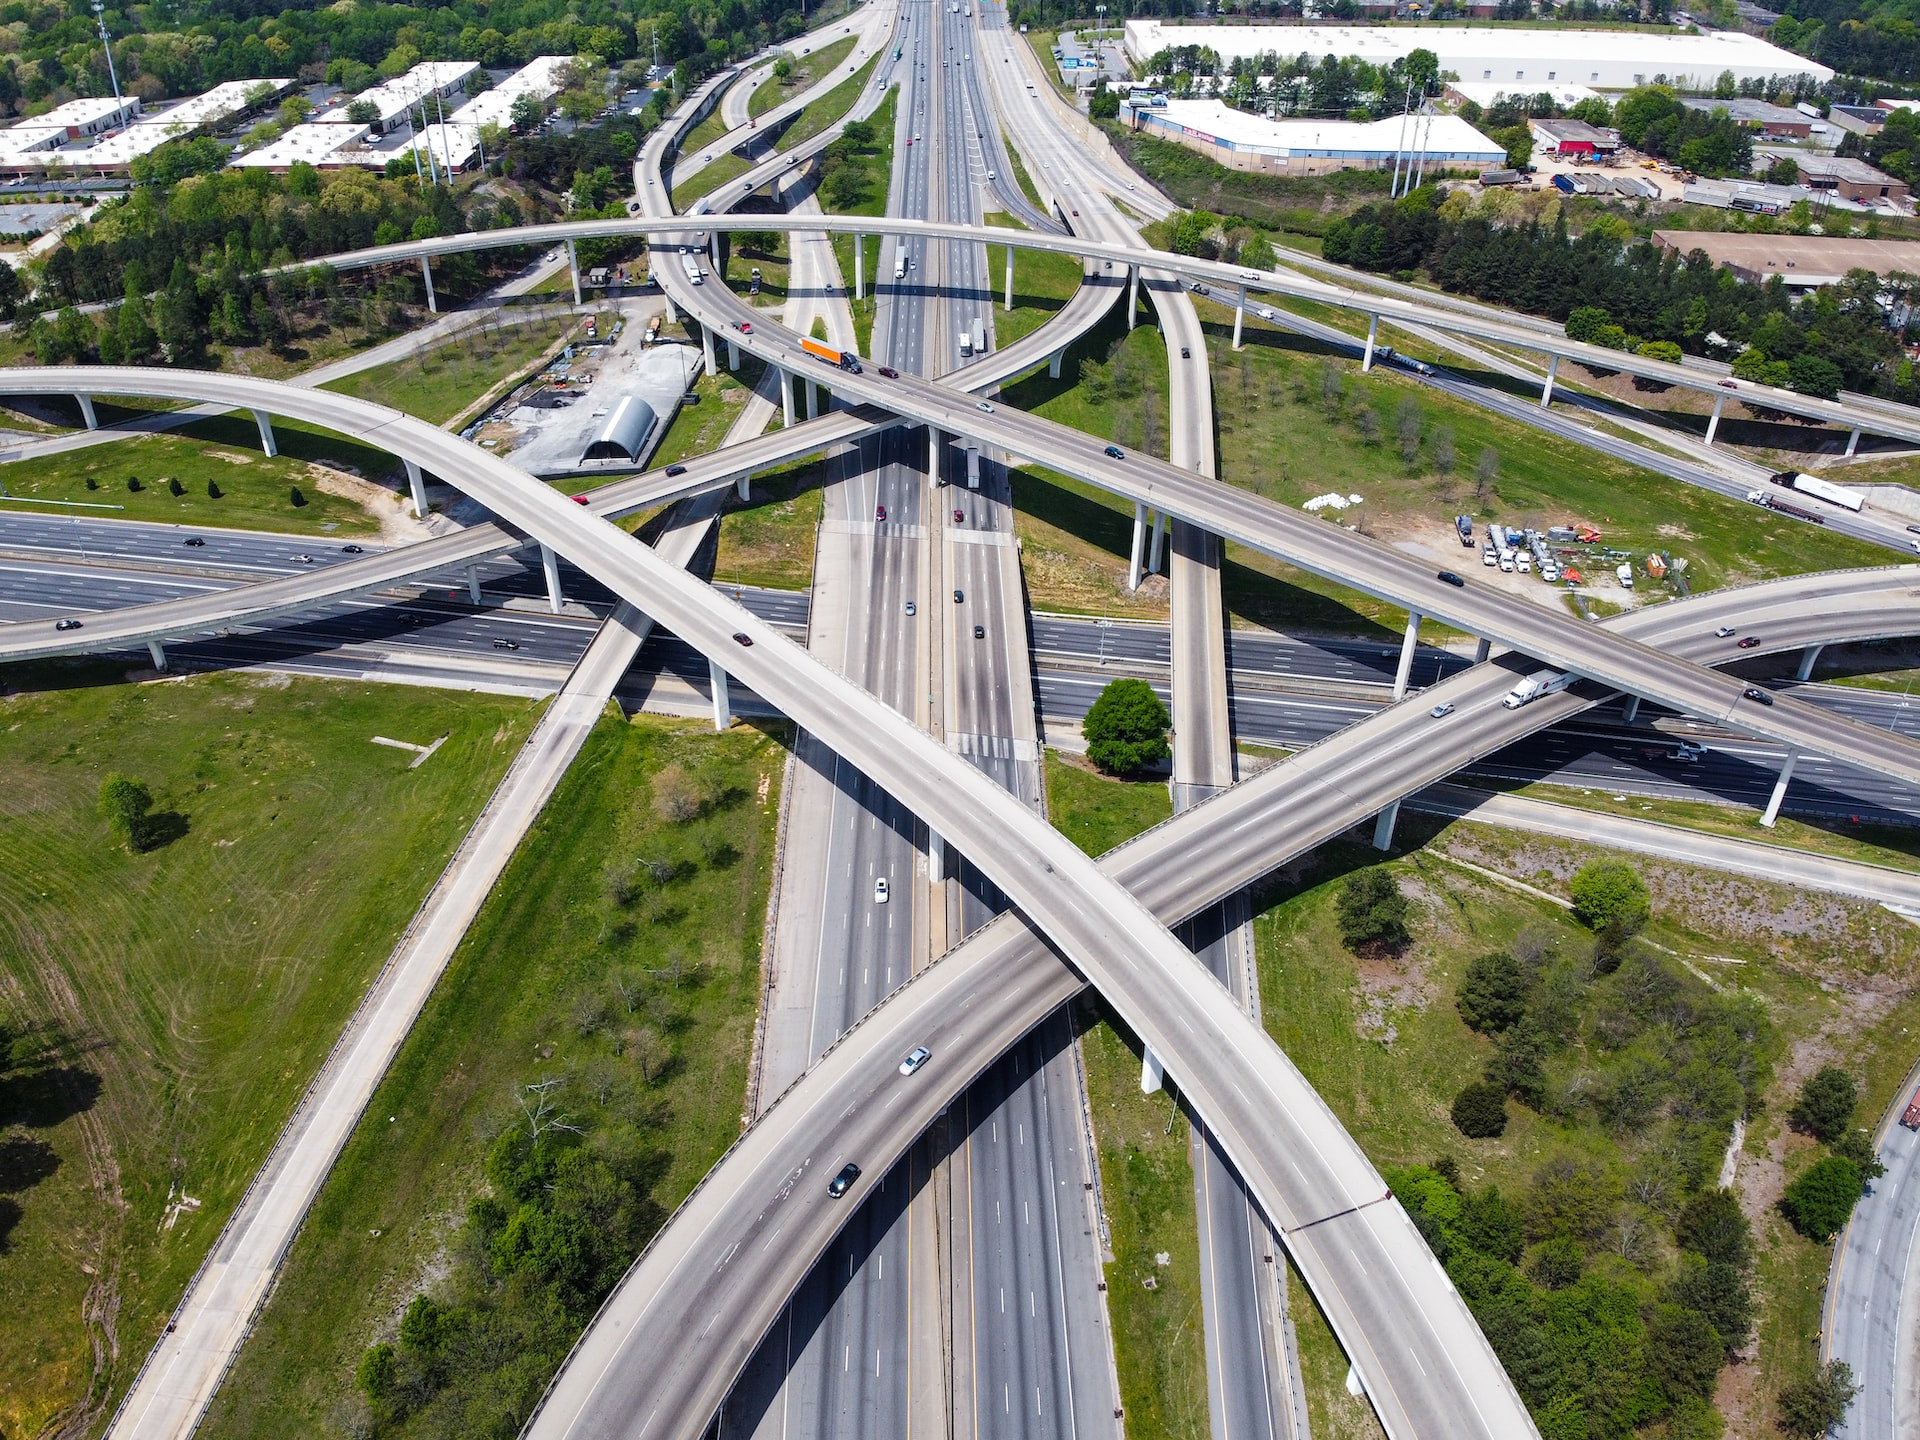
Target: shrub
x: 133, y: 484
x: 1126, y: 728
x: 1810, y: 1408
x: 174, y: 487
x: 1713, y: 1224
x: 1493, y: 996
x: 1824, y: 1107
x: 126, y: 804
x: 1371, y: 910
x: 1584, y: 323
x: 1480, y: 1111
x: 92, y: 484
x: 1661, y: 350
x: 676, y: 798
x: 1610, y: 898
x: 213, y: 490
x: 375, y: 1373
x: 1819, y: 1202
x: 1558, y: 1263
x: 295, y: 498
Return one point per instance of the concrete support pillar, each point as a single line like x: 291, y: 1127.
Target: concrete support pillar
x: 1133, y: 293
x: 706, y: 350
x: 419, y: 488
x: 733, y: 353
x: 713, y: 250
x: 1779, y: 791
x: 813, y: 401
x: 1809, y: 657
x: 1383, y: 824
x: 933, y: 456
x: 859, y: 267
x: 786, y: 399
x: 159, y: 654
x: 473, y: 583
x: 1853, y: 441
x: 1630, y: 711
x: 1159, y: 542
x: 1546, y: 390
x: 1482, y: 650
x: 1407, y: 647
x: 1373, y: 329
x: 1152, y: 1072
x: 744, y: 488
x: 1239, y: 317
x: 1009, y: 300
x: 1713, y: 423
x: 673, y: 315
x: 573, y: 269
x: 722, y: 702
x: 936, y: 857
x: 86, y: 411
x: 550, y: 563
x: 265, y: 422
x: 1139, y: 539
x: 426, y: 274
x: 1053, y: 364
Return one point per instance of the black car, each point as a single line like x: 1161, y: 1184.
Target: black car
x: 506, y: 644
x: 351, y: 550
x: 1757, y: 695
x: 1186, y: 353
x: 193, y: 540
x: 843, y: 1182
x: 1452, y: 579
x: 979, y: 632
x: 889, y: 372
x: 959, y: 596
x: 676, y: 469
x: 67, y: 624
x: 1114, y: 452
x: 742, y: 638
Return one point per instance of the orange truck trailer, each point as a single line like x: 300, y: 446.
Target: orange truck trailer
x: 845, y: 359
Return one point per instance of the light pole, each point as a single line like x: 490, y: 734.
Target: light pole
x: 1099, y: 29
x: 106, y: 43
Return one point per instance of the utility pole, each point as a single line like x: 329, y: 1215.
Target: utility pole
x: 1405, y: 106
x: 106, y: 43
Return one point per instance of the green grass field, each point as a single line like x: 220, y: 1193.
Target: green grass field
x: 446, y: 380
x: 1043, y: 282
x: 807, y: 70
x: 190, y: 993
x: 1098, y: 812
x: 770, y: 539
x: 829, y: 109
x: 700, y: 428
x: 256, y: 489
x: 644, y: 1010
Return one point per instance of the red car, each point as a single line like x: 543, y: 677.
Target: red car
x: 580, y: 500
x: 959, y: 517
x: 1747, y: 642
x: 879, y: 512
x: 745, y: 327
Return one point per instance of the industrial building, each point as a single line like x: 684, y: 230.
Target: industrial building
x: 1802, y: 261
x: 1489, y: 93
x: 321, y: 145
x: 1779, y: 121
x: 539, y: 78
x: 1243, y: 141
x: 1514, y: 57
x: 1572, y: 138
x: 428, y: 81
x: 1850, y: 179
x: 34, y: 143
x: 197, y: 115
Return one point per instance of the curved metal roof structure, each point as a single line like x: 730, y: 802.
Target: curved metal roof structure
x: 625, y: 432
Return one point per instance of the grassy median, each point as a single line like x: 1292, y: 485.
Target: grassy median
x: 444, y: 380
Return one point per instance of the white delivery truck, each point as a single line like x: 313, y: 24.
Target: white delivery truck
x: 1541, y: 682
x: 1624, y: 574
x: 900, y: 260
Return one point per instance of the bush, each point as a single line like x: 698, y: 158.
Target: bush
x: 126, y: 804
x: 1126, y: 728
x: 133, y: 484
x: 1493, y: 996
x: 1558, y: 1263
x: 174, y: 487
x: 1584, y: 323
x: 1712, y: 1224
x: 1371, y: 910
x: 676, y: 798
x: 1480, y: 1111
x: 213, y: 490
x: 1810, y: 1408
x: 1825, y: 1105
x: 1610, y: 898
x: 1686, y: 1351
x: 1820, y: 1201
x: 295, y: 498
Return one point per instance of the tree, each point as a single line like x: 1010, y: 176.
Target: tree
x: 526, y: 114
x: 1126, y: 728
x: 363, y: 112
x: 1810, y: 1408
x: 1493, y: 994
x: 1103, y: 103
x: 1257, y: 254
x: 1712, y: 1224
x: 1480, y: 1111
x: 1610, y: 898
x: 1825, y: 1105
x: 676, y: 795
x: 1371, y: 910
x: 1812, y: 375
x: 1685, y: 1349
x: 1585, y: 322
x: 127, y: 804
x: 1408, y: 421
x: 213, y: 490
x: 1819, y: 1203
x: 295, y: 498
x: 1486, y: 471
x: 1445, y: 453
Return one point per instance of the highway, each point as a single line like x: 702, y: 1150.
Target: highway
x: 1872, y: 1318
x: 635, y: 1374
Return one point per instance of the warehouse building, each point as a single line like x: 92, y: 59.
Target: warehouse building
x: 199, y: 115
x: 1802, y: 261
x: 1514, y: 57
x: 1242, y: 141
x: 430, y: 80
x: 539, y: 78
x: 1779, y: 121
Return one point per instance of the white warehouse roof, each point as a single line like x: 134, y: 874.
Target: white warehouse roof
x: 1610, y: 59
x: 150, y: 132
x: 315, y: 144
x: 392, y: 99
x: 1488, y: 93
x: 1445, y: 139
x: 539, y: 78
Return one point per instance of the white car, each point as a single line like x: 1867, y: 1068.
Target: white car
x: 916, y: 1057
x: 1440, y: 711
x: 880, y: 891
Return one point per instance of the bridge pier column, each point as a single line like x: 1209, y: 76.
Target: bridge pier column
x: 744, y: 486
x: 713, y: 250
x: 550, y: 563
x: 1713, y: 422
x: 1159, y: 542
x: 1546, y: 390
x: 733, y: 353
x: 1630, y: 711
x: 706, y: 350
x: 813, y: 401
x: 1407, y: 646
x: 159, y: 654
x: 267, y: 442
x: 573, y: 269
x: 1239, y: 317
x: 1139, y: 539
x: 1853, y: 441
x: 473, y: 583
x: 1383, y: 826
x: 419, y: 488
x: 936, y: 857
x: 1133, y: 293
x: 1373, y: 329
x: 1152, y: 1072
x: 1053, y: 364
x: 426, y: 274
x: 1008, y: 304
x: 1482, y: 650
x: 673, y: 315
x: 86, y: 411
x: 1809, y: 657
x: 933, y: 456
x: 786, y: 399
x: 859, y: 267
x: 1779, y: 791
x: 722, y: 702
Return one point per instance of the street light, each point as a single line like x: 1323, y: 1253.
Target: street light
x: 106, y: 43
x: 1099, y: 27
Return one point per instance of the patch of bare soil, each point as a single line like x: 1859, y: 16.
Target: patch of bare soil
x: 385, y: 507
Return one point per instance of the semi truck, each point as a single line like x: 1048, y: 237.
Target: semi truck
x: 696, y: 273
x: 1819, y: 489
x: 845, y: 359
x: 1532, y: 687
x: 900, y: 261
x: 1774, y: 502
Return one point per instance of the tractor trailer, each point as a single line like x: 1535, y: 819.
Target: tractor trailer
x: 1532, y: 687
x: 845, y: 359
x: 1819, y: 489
